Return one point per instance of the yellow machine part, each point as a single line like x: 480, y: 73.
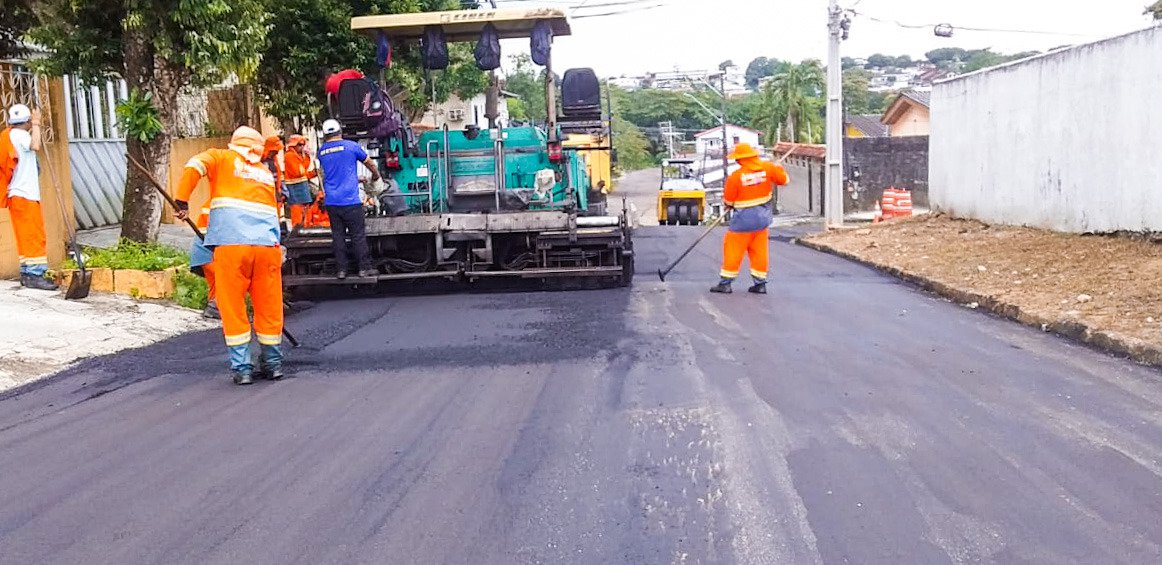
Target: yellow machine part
x: 678, y: 199
x: 597, y: 161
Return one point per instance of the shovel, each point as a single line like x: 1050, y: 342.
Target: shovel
x: 161, y: 190
x: 82, y: 280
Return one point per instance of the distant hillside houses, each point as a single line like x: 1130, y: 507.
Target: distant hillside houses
x: 918, y: 77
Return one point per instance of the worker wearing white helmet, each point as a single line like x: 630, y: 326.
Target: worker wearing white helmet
x: 339, y: 160
x: 20, y: 193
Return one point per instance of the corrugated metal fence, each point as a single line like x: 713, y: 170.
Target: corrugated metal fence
x: 98, y: 167
x: 96, y: 150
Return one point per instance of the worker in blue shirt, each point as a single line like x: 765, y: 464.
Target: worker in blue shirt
x: 339, y: 160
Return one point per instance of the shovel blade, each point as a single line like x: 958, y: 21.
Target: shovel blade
x: 79, y: 285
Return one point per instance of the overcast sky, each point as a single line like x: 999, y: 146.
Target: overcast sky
x: 699, y: 34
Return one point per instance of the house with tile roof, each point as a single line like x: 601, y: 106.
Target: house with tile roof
x: 908, y: 114
x: 864, y: 125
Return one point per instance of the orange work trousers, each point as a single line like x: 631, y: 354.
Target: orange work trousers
x: 208, y: 274
x: 754, y: 245
x: 28, y: 223
x: 241, y: 270
x: 298, y: 214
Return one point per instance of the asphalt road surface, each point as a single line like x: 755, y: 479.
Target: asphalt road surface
x: 844, y: 418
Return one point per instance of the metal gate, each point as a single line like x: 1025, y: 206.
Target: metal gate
x: 96, y: 150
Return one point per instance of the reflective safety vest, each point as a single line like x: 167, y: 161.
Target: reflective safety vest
x: 298, y: 167
x: 243, y: 206
x: 753, y: 184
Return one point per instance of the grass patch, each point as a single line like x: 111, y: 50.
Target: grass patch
x: 191, y: 290
x: 132, y: 255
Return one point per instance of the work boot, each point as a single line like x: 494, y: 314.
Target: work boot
x: 243, y: 378
x: 37, y: 282
x: 270, y: 363
x: 211, y: 312
x: 758, y: 288
x: 341, y: 275
x: 723, y: 287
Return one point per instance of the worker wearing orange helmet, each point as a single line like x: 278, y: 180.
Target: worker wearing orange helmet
x: 299, y: 170
x: 748, y: 194
x: 243, y: 236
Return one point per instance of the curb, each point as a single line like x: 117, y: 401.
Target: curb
x: 1136, y: 349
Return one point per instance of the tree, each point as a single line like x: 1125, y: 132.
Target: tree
x: 945, y: 55
x: 856, y: 96
x: 1155, y: 9
x: 157, y: 47
x: 18, y: 19
x: 524, y: 81
x: 978, y: 59
x: 725, y: 65
x: 290, y: 84
x: 762, y: 67
x: 879, y: 61
x: 796, y: 96
x: 904, y: 62
x: 633, y: 149
x: 848, y: 62
x: 877, y: 102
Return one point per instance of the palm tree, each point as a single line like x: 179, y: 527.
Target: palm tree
x: 789, y: 95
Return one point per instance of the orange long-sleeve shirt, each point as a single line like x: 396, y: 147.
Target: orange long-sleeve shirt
x: 243, y: 207
x: 298, y: 167
x: 753, y: 184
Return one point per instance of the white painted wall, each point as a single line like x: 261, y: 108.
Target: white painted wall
x: 711, y: 141
x: 1070, y: 141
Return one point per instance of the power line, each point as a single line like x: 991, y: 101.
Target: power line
x: 966, y: 28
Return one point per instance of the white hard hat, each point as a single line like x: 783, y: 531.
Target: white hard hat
x: 19, y: 114
x: 331, y: 127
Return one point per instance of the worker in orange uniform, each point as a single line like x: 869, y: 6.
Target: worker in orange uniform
x: 243, y: 235
x: 748, y: 194
x: 270, y: 150
x: 20, y: 193
x: 202, y: 264
x: 299, y: 171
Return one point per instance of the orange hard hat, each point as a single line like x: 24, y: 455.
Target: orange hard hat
x: 743, y: 151
x: 273, y: 143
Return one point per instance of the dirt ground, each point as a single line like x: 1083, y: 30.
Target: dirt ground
x: 1108, y: 283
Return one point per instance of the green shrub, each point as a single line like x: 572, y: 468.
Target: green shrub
x: 191, y: 291
x: 132, y: 255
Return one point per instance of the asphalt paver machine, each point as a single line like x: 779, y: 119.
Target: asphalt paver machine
x: 480, y: 202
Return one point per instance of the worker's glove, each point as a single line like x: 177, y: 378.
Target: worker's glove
x: 183, y: 209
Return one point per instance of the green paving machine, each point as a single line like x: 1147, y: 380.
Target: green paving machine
x: 476, y: 203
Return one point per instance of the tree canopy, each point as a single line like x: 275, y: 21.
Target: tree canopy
x: 315, y: 37
x: 18, y: 19
x: 158, y: 48
x: 762, y: 67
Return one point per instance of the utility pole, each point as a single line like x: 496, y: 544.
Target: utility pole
x: 725, y: 162
x: 833, y: 193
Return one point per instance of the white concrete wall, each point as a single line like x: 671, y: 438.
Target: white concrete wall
x: 712, y: 142
x: 1070, y: 141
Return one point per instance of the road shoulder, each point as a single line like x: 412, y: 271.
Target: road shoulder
x: 1097, y: 295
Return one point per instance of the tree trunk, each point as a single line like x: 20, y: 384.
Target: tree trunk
x: 145, y: 71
